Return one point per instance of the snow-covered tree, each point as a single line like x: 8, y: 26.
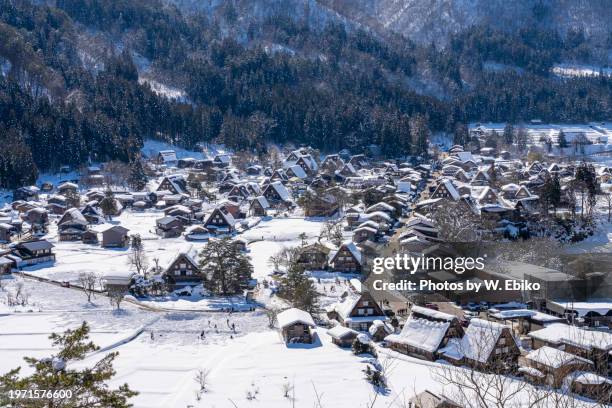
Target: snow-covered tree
x: 137, y: 178
x: 108, y: 204
x: 87, y: 385
x: 299, y: 290
x: 226, y: 269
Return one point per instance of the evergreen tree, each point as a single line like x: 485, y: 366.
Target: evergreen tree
x: 585, y: 182
x: 461, y: 135
x: 108, y: 204
x: 226, y: 269
x: 550, y: 195
x: 419, y: 132
x: 508, y: 134
x: 137, y: 178
x: 17, y: 167
x: 88, y: 385
x: 562, y: 140
x: 491, y: 140
x: 298, y: 289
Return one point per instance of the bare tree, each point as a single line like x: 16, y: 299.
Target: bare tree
x: 287, y: 389
x: 116, y: 173
x: 474, y: 389
x: 271, y: 314
x: 283, y: 258
x: 332, y: 231
x: 608, y: 199
x: 543, y: 251
x: 201, y: 378
x: 137, y: 259
x: 456, y: 222
x: 156, y: 266
x: 471, y: 387
x: 87, y: 281
x: 116, y: 296
x: 21, y: 296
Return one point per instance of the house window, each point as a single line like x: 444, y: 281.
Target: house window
x: 183, y: 266
x: 363, y: 326
x: 360, y: 311
x: 366, y: 303
x: 502, y: 341
x: 370, y: 311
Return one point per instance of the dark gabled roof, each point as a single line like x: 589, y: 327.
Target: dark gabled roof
x: 36, y: 245
x: 117, y: 228
x: 166, y: 220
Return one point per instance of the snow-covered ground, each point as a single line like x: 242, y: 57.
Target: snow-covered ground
x: 161, y: 353
x: 598, y: 133
x: 576, y: 70
x: 164, y: 90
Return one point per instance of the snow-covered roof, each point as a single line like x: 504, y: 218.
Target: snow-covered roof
x: 562, y: 333
x: 376, y: 324
x: 583, y: 308
x: 484, y: 193
x: 223, y: 158
x: 380, y: 214
x: 479, y: 340
x: 67, y: 184
x: 281, y: 190
x: 351, y: 247
x: 434, y: 314
x: 450, y: 187
x: 380, y: 206
x: 525, y: 313
x: 465, y: 157
x: 534, y: 372
x: 346, y: 305
x: 585, y: 377
x: 555, y: 358
x: 229, y: 218
x: 263, y: 201
x: 421, y: 333
x: 292, y: 316
x: 75, y: 215
x: 118, y: 277
x: 340, y: 332
x: 298, y: 171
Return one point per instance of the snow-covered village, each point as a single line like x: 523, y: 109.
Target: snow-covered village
x: 226, y: 279
x: 305, y: 204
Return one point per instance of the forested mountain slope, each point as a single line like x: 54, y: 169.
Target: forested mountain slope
x: 298, y: 71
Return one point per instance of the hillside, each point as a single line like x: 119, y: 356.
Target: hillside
x: 89, y: 80
x: 436, y: 20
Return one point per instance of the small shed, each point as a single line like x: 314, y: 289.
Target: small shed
x: 342, y: 336
x: 379, y: 330
x: 295, y: 325
x: 115, y: 236
x: 89, y: 237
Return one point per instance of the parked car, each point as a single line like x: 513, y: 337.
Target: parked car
x: 473, y: 307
